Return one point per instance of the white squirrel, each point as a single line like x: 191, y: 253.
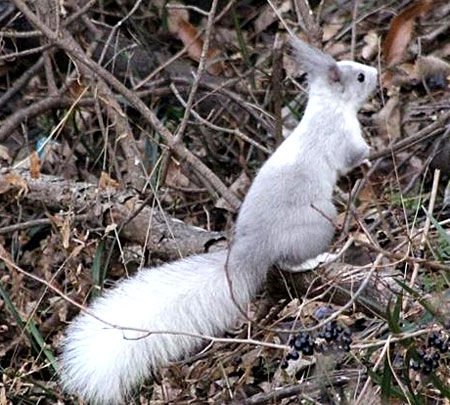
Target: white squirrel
x: 286, y: 217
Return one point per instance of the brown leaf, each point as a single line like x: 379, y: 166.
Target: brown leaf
x: 131, y: 203
x: 367, y: 194
x: 4, y: 185
x: 371, y: 48
x: 175, y: 16
x: 267, y: 15
x: 76, y: 89
x: 178, y: 22
x: 434, y: 68
x: 3, y: 399
x: 401, y: 30
x: 187, y: 33
x: 35, y: 165
x: 330, y: 29
x: 175, y: 177
x: 388, y: 121
x: 10, y: 181
x: 66, y: 232
x: 405, y: 74
x: 106, y: 181
x: 239, y: 187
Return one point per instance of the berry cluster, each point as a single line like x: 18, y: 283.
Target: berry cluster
x: 428, y: 358
x: 334, y: 332
x: 436, y: 341
x: 303, y: 342
x: 427, y: 362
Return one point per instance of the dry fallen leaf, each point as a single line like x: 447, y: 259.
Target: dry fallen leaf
x: 267, y: 16
x: 290, y: 66
x: 35, y: 165
x: 338, y: 48
x: 66, y: 231
x: 239, y: 187
x: 367, y: 194
x: 76, y: 89
x: 179, y: 25
x: 131, y: 203
x: 405, y: 74
x: 3, y: 399
x: 12, y: 180
x: 330, y: 30
x: 174, y: 176
x: 401, y: 30
x: 175, y: 16
x: 106, y: 181
x: 187, y: 33
x: 110, y: 228
x: 388, y: 121
x: 433, y: 69
x: 371, y: 48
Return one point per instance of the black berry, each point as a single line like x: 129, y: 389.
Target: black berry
x: 434, y: 340
x: 292, y: 356
x: 346, y: 347
x: 308, y: 350
x: 301, y: 340
x: 415, y: 365
x: 428, y: 361
x: 426, y: 369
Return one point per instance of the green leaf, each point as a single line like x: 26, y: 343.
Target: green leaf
x: 444, y: 250
x: 31, y: 331
x: 393, y: 391
x: 386, y: 382
x: 98, y: 272
x: 424, y: 303
x: 240, y: 37
x: 393, y: 318
x: 442, y: 387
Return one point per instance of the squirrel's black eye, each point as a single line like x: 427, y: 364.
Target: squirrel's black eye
x: 361, y: 77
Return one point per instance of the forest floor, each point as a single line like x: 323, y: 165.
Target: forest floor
x: 126, y: 126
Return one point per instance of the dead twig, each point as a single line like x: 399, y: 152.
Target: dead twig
x: 197, y: 77
x: 68, y: 44
x: 21, y: 82
x: 306, y: 15
x: 428, y: 132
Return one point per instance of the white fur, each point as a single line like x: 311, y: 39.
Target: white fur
x: 101, y: 363
x: 286, y: 218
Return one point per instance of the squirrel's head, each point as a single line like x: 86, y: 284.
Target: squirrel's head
x: 343, y: 82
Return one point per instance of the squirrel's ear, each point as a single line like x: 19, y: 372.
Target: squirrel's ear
x: 334, y: 74
x: 314, y: 61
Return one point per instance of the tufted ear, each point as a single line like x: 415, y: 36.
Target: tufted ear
x: 334, y: 74
x: 314, y: 61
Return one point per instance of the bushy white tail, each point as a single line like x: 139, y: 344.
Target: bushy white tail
x: 102, y: 364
